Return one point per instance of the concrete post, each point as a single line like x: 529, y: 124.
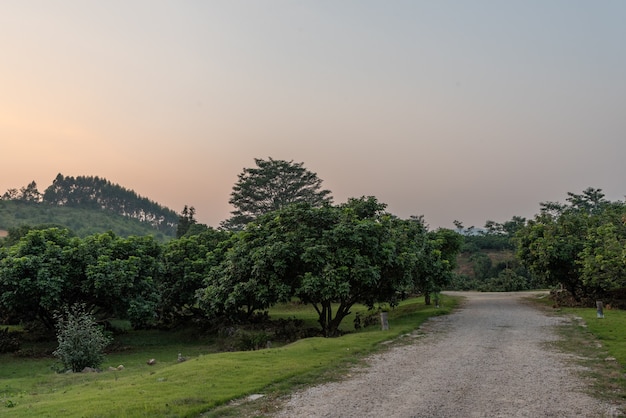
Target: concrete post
x: 600, y: 309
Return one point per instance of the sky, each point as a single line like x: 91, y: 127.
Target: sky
x: 454, y: 110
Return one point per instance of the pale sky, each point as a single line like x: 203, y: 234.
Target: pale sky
x: 455, y: 110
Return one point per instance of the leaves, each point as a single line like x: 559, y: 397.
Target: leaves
x: 272, y: 185
x: 578, y: 245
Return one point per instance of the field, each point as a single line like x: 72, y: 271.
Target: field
x: 204, y: 382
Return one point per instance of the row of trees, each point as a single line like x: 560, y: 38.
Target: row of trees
x: 343, y: 254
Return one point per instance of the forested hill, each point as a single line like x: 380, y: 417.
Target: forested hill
x: 89, y: 193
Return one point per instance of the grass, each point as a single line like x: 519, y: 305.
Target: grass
x: 204, y: 384
x: 599, y: 345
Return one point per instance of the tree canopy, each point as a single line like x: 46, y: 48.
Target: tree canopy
x: 578, y: 245
x: 272, y: 185
x: 330, y: 257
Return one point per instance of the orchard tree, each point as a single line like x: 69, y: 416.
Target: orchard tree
x: 603, y: 258
x: 354, y: 260
x: 272, y: 185
x: 551, y: 244
x: 439, y: 261
x: 185, y: 266
x: 258, y: 266
x: 33, y: 274
x: 331, y: 257
x: 124, y: 275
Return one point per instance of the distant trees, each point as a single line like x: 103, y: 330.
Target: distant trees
x: 488, y: 261
x: 272, y: 185
x: 88, y: 192
x: 99, y: 193
x: 185, y: 221
x: 28, y: 193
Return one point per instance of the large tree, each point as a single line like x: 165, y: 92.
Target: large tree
x: 272, y: 185
x: 185, y: 265
x: 34, y: 275
x: 330, y: 257
x: 555, y: 244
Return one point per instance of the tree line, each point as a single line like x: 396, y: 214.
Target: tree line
x: 93, y: 192
x: 577, y: 248
x: 324, y: 256
x: 287, y: 241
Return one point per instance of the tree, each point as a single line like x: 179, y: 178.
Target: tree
x: 330, y: 257
x: 122, y: 276
x: 551, y: 245
x: 185, y: 266
x: 258, y: 266
x: 27, y: 193
x: 48, y: 269
x: 33, y: 275
x: 185, y: 221
x: 603, y: 259
x: 272, y: 185
x: 354, y: 260
x: 30, y: 193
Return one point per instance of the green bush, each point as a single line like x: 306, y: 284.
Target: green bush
x: 81, y: 340
x: 249, y: 341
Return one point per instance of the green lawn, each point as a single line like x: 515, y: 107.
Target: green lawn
x: 29, y: 387
x: 610, y: 330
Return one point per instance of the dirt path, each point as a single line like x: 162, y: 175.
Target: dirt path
x: 489, y: 359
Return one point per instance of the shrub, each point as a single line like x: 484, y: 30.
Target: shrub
x: 81, y: 340
x: 249, y: 341
x: 9, y: 341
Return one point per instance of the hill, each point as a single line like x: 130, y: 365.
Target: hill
x: 82, y: 221
x: 87, y: 204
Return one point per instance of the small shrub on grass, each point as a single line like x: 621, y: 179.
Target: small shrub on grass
x: 249, y: 341
x: 81, y: 340
x: 365, y: 319
x: 288, y: 330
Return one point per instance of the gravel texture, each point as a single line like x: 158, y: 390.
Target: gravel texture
x: 488, y: 359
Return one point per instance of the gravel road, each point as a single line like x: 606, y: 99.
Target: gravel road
x: 488, y: 359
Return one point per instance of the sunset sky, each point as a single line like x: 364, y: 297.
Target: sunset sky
x: 455, y: 110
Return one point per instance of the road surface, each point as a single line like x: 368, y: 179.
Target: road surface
x: 491, y: 358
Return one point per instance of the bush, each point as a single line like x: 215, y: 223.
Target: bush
x: 249, y: 341
x: 81, y: 340
x: 9, y: 341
